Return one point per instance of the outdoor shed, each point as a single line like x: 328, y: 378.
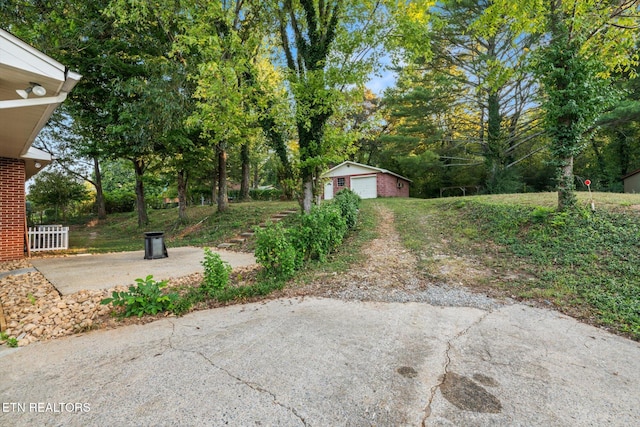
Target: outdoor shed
x: 32, y: 85
x: 632, y: 182
x: 367, y: 181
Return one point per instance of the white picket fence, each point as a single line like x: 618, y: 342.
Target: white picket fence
x: 48, y: 238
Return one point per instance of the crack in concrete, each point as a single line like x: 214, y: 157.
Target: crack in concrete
x: 253, y: 386
x: 445, y: 368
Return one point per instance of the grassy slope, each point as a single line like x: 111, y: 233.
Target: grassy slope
x: 205, y: 227
x: 510, y: 245
x: 586, y: 265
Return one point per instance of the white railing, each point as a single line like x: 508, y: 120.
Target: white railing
x: 48, y: 238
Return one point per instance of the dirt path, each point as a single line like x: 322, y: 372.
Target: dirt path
x: 390, y: 274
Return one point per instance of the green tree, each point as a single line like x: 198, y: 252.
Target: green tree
x: 57, y: 190
x: 326, y: 47
x: 77, y: 34
x: 587, y: 39
x: 228, y: 37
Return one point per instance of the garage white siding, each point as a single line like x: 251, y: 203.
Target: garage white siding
x: 365, y: 186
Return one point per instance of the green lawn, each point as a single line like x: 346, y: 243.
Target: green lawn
x: 205, y: 227
x: 585, y: 264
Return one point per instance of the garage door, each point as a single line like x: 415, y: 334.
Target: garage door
x: 365, y: 187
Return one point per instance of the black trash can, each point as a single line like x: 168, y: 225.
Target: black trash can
x: 154, y: 245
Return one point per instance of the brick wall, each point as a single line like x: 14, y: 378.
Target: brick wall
x: 12, y: 209
x: 388, y: 186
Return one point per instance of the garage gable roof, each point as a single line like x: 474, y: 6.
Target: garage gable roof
x: 630, y: 174
x: 343, y: 169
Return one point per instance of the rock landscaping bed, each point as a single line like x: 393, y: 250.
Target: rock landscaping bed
x: 35, y: 311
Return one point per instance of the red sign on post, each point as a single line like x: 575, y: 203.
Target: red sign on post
x: 587, y: 182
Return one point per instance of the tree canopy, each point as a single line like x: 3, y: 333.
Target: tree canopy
x: 497, y: 96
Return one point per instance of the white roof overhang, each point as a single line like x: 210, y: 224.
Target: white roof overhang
x: 339, y: 170
x: 21, y: 120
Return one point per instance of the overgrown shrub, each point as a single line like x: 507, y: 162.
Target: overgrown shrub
x: 144, y: 298
x: 216, y: 273
x: 118, y: 202
x: 319, y: 232
x: 275, y: 251
x: 312, y: 236
x: 349, y: 203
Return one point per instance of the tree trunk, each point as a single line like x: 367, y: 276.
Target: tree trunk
x: 143, y: 219
x: 256, y: 177
x: 493, y: 152
x: 214, y: 183
x: 310, y: 143
x: 182, y: 196
x: 223, y: 198
x: 307, y: 195
x: 566, y: 195
x: 100, y: 203
x: 246, y: 172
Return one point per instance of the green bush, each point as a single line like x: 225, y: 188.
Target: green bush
x: 119, y: 202
x: 144, y: 298
x: 319, y: 232
x: 216, y: 273
x: 312, y: 236
x: 275, y: 251
x: 349, y: 203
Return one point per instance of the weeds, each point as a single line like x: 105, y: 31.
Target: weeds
x: 144, y: 298
x: 10, y: 341
x: 587, y: 264
x: 216, y: 273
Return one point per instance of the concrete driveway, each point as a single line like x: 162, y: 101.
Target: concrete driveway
x: 103, y: 271
x: 325, y: 362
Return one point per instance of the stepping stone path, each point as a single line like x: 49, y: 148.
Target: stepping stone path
x: 243, y: 237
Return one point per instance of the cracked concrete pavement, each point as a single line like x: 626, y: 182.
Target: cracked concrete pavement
x: 321, y: 362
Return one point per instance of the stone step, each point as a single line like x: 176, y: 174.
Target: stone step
x: 225, y: 245
x: 238, y: 240
x: 247, y: 234
x: 280, y: 215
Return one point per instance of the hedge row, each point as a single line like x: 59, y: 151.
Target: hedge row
x: 281, y: 251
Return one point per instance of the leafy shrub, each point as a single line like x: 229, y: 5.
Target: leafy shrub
x: 118, y: 202
x: 10, y: 341
x: 275, y: 251
x: 216, y: 272
x: 540, y: 214
x: 144, y: 298
x: 348, y: 202
x: 312, y: 236
x: 319, y: 232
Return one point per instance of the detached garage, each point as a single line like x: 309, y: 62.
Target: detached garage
x: 367, y: 181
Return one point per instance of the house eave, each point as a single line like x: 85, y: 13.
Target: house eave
x: 21, y: 120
